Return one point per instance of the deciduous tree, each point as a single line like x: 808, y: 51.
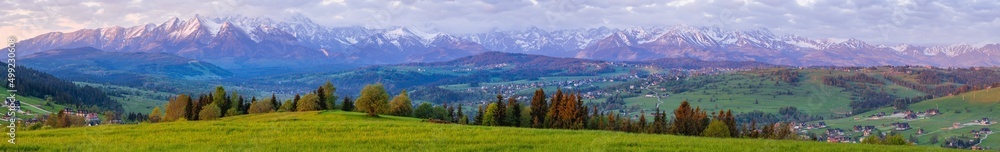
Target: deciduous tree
x: 373, y: 100
x: 210, y: 112
x: 400, y: 105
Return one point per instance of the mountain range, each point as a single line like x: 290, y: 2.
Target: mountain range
x: 243, y: 42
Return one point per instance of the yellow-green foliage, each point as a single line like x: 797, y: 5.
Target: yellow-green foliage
x: 373, y: 100
x: 400, y: 105
x: 309, y: 102
x: 210, y: 112
x: 716, y: 129
x: 350, y: 131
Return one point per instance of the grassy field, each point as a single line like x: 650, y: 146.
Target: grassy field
x: 810, y: 96
x: 40, y: 103
x: 349, y: 131
x: 961, y: 108
x: 132, y: 99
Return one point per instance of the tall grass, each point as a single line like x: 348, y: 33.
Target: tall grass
x: 349, y: 131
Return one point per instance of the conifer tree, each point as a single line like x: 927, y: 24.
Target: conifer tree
x: 274, y: 102
x: 347, y: 104
x: 513, y: 112
x: 479, y: 115
x: 539, y: 108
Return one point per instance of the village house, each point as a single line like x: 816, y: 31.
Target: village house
x: 932, y: 112
x: 92, y: 119
x: 901, y: 125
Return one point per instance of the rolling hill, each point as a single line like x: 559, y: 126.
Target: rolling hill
x: 962, y: 109
x: 349, y: 131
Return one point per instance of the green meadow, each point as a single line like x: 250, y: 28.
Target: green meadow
x: 962, y: 108
x: 350, y: 131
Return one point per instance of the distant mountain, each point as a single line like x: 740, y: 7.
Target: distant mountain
x: 93, y: 65
x: 241, y: 42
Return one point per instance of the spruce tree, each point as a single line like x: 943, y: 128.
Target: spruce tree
x: 513, y: 112
x: 347, y: 104
x: 539, y: 108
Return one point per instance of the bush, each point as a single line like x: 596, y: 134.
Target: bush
x: 210, y: 112
x: 716, y: 129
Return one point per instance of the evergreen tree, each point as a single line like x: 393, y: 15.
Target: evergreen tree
x: 295, y: 102
x: 539, y: 108
x: 659, y: 122
x: 462, y: 119
x: 400, y: 105
x: 373, y: 100
x: 451, y: 114
x: 210, y: 112
x: 552, y: 115
x: 513, y: 112
x: 274, y: 102
x: 321, y: 94
x: 500, y: 114
x: 641, y: 124
x: 347, y: 104
x: 731, y: 123
x: 479, y: 115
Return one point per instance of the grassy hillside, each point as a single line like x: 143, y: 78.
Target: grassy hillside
x: 133, y: 99
x: 961, y: 108
x: 38, y: 107
x: 740, y: 91
x: 349, y: 131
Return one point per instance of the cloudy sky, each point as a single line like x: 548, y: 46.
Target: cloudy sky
x: 883, y: 22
